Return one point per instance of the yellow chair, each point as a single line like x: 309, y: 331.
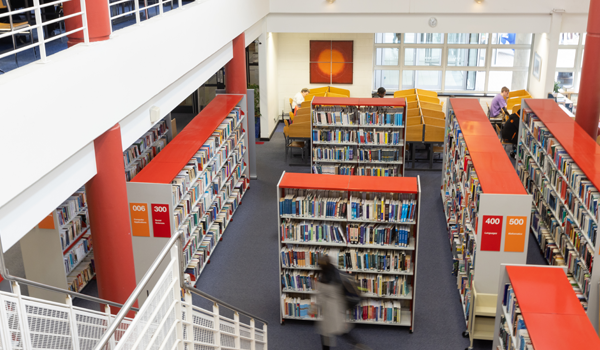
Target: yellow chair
x: 410, y: 121
x: 339, y: 91
x: 291, y: 103
x: 306, y: 104
x: 517, y: 93
x: 413, y: 104
x: 293, y: 131
x: 513, y: 101
x: 413, y: 112
x: 11, y: 27
x: 404, y: 93
x: 409, y: 98
x: 435, y: 122
x: 429, y: 93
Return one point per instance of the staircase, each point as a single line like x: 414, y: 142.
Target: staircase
x: 168, y: 320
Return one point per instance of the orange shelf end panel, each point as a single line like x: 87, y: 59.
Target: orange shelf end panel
x: 315, y: 181
x: 383, y: 102
x: 559, y: 332
x: 169, y: 162
x: 383, y: 184
x: 335, y: 101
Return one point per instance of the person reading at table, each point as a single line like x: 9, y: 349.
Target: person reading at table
x: 499, y: 104
x: 298, y: 99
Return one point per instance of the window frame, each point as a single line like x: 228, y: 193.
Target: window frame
x: 576, y: 70
x: 489, y: 47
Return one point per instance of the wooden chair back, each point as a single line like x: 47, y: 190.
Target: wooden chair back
x: 413, y: 112
x: 299, y: 129
x: 518, y: 93
x: 320, y: 90
x: 511, y: 102
x: 433, y: 113
x: 429, y: 99
x: 434, y: 133
x: 414, y: 121
x: 433, y: 106
x: 333, y: 94
x: 414, y: 133
x: 339, y: 91
x: 434, y: 121
x: 412, y: 104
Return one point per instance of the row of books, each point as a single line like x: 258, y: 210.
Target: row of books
x: 345, y: 153
x: 80, y: 277
x: 562, y: 197
x: 546, y: 201
x: 380, y: 154
x: 76, y: 254
x: 69, y: 232
x: 383, y: 208
x: 71, y: 207
x: 360, y: 234
x: 205, y: 155
x: 357, y: 117
x: 360, y: 170
x: 299, y: 307
x: 351, y: 259
x: 512, y: 324
x: 198, y: 250
x: 314, y: 204
x: 379, y: 137
x: 140, y: 163
x: 145, y: 144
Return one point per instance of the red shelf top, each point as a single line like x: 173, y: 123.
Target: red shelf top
x: 553, y: 315
x: 383, y: 184
x: 494, y: 169
x: 169, y: 162
x: 350, y: 183
x: 347, y: 101
x: 315, y: 181
x: 579, y: 145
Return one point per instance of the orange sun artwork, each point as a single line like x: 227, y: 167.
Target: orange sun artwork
x: 331, y: 62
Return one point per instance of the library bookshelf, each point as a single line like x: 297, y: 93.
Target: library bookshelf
x: 142, y: 151
x: 194, y: 186
x: 538, y: 308
x: 358, y: 136
x: 487, y: 212
x: 557, y: 162
x: 349, y: 224
x: 63, y: 242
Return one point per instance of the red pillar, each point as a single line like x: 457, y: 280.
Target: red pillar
x: 97, y: 17
x: 235, y: 70
x: 588, y: 104
x: 108, y: 207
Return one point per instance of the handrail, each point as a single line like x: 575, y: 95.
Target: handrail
x: 7, y: 276
x: 138, y: 289
x: 233, y: 308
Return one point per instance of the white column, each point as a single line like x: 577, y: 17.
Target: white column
x: 553, y: 38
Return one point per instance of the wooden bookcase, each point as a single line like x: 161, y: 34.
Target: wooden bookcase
x: 349, y: 188
x: 171, y: 195
x: 557, y: 162
x: 487, y: 211
x: 359, y: 120
x: 541, y: 300
x: 59, y: 251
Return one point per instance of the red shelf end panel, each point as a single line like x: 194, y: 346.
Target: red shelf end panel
x: 315, y: 181
x: 383, y: 184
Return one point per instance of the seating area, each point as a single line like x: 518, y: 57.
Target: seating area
x: 426, y: 121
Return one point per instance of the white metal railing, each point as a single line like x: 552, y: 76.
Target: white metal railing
x: 25, y: 27
x: 133, y: 8
x: 30, y: 323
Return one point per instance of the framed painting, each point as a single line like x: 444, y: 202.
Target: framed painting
x: 331, y: 62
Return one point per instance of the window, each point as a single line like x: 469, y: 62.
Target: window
x: 461, y: 62
x: 569, y: 60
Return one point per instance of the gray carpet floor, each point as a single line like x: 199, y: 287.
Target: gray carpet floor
x: 244, y: 271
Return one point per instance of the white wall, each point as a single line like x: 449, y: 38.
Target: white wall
x: 294, y: 69
x: 267, y: 81
x: 537, y: 87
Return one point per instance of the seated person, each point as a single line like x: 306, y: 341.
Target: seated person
x: 510, y: 131
x: 298, y: 99
x: 380, y: 92
x: 499, y: 104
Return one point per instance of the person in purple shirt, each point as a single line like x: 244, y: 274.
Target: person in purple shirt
x: 499, y: 103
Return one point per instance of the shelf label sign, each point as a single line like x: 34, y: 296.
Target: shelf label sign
x: 491, y: 233
x: 514, y: 236
x: 161, y: 224
x: 139, y: 219
x: 47, y: 223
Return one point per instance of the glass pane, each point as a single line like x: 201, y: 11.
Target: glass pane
x: 408, y: 79
x: 499, y: 79
x: 511, y: 38
x: 386, y: 57
x: 510, y: 58
x: 568, y: 39
x: 423, y: 38
x: 423, y: 57
x: 465, y: 80
x: 389, y: 79
x: 428, y: 79
x: 564, y: 79
x: 387, y: 38
x: 583, y: 39
x: 466, y: 57
x: 566, y: 58
x: 467, y: 38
